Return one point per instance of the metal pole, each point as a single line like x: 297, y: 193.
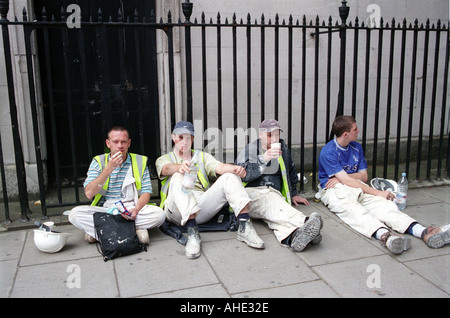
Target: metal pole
x: 343, y: 13
x: 19, y: 160
x: 187, y: 11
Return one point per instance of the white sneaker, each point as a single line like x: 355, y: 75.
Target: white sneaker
x: 395, y: 243
x: 192, y: 248
x: 247, y: 233
x: 436, y: 237
x: 143, y: 237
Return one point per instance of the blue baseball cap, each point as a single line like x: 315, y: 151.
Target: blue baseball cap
x: 183, y: 127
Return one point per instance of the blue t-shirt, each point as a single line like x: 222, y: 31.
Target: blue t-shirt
x: 334, y: 158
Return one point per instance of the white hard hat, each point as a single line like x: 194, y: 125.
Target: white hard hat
x: 50, y: 242
x: 384, y: 184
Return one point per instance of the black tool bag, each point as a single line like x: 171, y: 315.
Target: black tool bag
x: 116, y: 236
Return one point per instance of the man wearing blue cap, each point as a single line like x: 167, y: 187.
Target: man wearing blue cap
x: 189, y: 207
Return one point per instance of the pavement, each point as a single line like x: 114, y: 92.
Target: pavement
x: 345, y: 264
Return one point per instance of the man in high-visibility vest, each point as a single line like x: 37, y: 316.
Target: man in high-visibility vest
x: 271, y: 182
x: 115, y: 176
x: 189, y: 207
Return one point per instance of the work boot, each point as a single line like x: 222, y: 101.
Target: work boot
x: 318, y: 238
x: 143, y: 237
x: 246, y: 233
x: 395, y: 243
x: 192, y: 248
x: 308, y: 232
x: 436, y: 237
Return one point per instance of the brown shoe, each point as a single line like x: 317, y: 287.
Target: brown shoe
x: 436, y: 237
x: 89, y: 238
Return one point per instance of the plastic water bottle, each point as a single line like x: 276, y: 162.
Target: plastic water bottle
x: 400, y: 197
x: 191, y: 176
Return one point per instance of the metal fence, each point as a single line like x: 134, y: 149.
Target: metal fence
x: 378, y: 87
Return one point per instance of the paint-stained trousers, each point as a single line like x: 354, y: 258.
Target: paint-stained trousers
x: 81, y: 216
x: 270, y: 206
x: 363, y: 212
x: 180, y: 204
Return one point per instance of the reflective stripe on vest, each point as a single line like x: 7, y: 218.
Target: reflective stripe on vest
x: 201, y: 174
x: 138, y: 164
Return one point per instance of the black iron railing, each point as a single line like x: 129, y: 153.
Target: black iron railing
x: 393, y: 78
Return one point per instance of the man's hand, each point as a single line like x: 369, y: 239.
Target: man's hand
x: 115, y: 160
x: 388, y: 195
x: 239, y: 171
x: 223, y: 168
x: 296, y: 199
x: 133, y: 214
x: 272, y: 154
x: 331, y: 183
x: 184, y: 167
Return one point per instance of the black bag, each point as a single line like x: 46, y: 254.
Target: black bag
x: 116, y: 236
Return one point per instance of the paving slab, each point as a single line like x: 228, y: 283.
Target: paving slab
x: 312, y: 289
x: 379, y: 276
x: 210, y: 291
x: 434, y: 269
x: 339, y: 243
x: 76, y: 278
x: 241, y: 268
x: 163, y: 268
x: 344, y: 264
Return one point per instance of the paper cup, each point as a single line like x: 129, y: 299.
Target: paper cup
x: 276, y: 145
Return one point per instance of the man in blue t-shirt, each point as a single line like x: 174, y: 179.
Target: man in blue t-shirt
x: 342, y: 175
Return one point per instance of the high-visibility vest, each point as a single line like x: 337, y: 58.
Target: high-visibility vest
x: 201, y: 174
x: 285, y: 186
x: 138, y: 164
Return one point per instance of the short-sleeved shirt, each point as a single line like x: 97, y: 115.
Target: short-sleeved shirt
x: 334, y: 159
x: 116, y: 179
x: 209, y: 161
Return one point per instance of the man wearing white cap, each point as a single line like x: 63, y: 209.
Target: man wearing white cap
x: 271, y: 182
x: 197, y: 206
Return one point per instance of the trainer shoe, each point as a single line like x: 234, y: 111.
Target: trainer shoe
x: 192, y: 248
x: 247, y: 233
x: 436, y: 237
x: 395, y: 243
x: 142, y: 235
x: 308, y: 232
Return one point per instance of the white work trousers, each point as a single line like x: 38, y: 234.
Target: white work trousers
x: 270, y: 206
x: 363, y: 212
x: 81, y: 216
x: 180, y: 204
